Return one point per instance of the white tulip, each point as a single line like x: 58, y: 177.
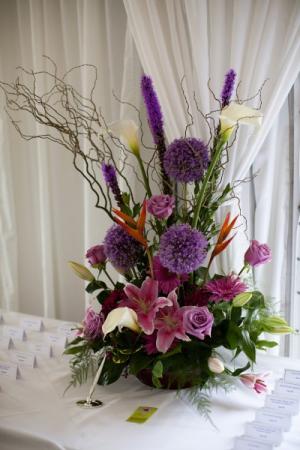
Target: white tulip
x: 215, y: 365
x: 120, y: 317
x: 235, y: 114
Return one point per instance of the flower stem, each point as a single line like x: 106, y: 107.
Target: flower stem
x: 145, y: 178
x: 109, y: 277
x: 150, y: 262
x: 214, y: 161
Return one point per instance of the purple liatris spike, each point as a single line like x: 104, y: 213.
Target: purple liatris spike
x: 156, y: 124
x: 110, y: 177
x: 228, y: 87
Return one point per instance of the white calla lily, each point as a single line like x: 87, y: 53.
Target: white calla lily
x: 235, y: 114
x: 122, y: 317
x: 127, y: 131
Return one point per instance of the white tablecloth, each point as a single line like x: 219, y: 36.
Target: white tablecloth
x: 35, y: 404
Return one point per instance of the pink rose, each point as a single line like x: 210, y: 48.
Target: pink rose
x: 257, y: 254
x: 96, y: 255
x: 92, y: 324
x: 161, y: 206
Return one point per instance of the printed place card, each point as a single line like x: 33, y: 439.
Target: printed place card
x: 244, y: 443
x: 25, y: 359
x: 34, y: 324
x: 6, y: 343
x: 9, y: 369
x: 141, y: 414
x: 268, y: 415
x: 286, y: 389
x: 57, y: 340
x: 264, y: 432
x: 282, y: 404
x: 42, y: 349
x: 15, y: 333
x: 292, y: 376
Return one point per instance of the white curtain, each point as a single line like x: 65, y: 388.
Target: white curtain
x: 202, y: 39
x: 46, y: 209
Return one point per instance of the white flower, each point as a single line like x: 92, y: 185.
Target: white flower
x: 127, y: 131
x: 215, y: 365
x: 120, y: 317
x: 235, y: 114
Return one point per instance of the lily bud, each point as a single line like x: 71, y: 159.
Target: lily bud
x: 81, y: 271
x: 215, y: 365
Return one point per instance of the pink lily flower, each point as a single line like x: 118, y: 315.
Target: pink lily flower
x: 255, y: 381
x: 145, y: 302
x: 169, y: 324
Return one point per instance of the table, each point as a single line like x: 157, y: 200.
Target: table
x: 35, y: 404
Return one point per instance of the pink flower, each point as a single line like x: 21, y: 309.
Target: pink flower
x: 257, y: 254
x: 255, y: 381
x: 161, y: 206
x: 150, y: 343
x: 92, y: 324
x: 225, y: 288
x: 199, y: 297
x: 198, y: 321
x: 167, y: 281
x: 169, y: 323
x: 96, y: 255
x: 145, y: 302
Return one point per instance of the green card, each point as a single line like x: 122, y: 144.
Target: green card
x: 141, y: 414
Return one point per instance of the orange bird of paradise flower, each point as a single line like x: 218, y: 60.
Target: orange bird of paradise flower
x: 222, y: 243
x: 134, y: 228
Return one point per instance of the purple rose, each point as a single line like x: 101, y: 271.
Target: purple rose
x: 161, y: 206
x: 96, y: 255
x: 92, y: 324
x: 198, y: 321
x: 257, y: 254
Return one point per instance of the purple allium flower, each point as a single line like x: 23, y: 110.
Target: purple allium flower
x: 257, y: 254
x: 228, y: 87
x: 198, y: 321
x: 182, y: 249
x: 122, y: 250
x: 96, y: 255
x: 92, y: 324
x: 167, y: 281
x: 186, y: 159
x: 155, y: 118
x: 161, y: 206
x: 225, y: 288
x: 110, y: 177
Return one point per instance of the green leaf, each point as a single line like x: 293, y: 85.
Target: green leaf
x: 257, y: 301
x: 248, y: 346
x: 237, y: 372
x: 172, y: 352
x: 94, y: 285
x: 241, y: 299
x: 111, y: 372
x: 138, y: 362
x: 74, y: 349
x: 158, y: 369
x: 233, y: 335
x: 102, y: 296
x: 266, y: 344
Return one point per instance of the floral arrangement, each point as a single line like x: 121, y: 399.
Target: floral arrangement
x: 170, y: 317
x: 167, y: 322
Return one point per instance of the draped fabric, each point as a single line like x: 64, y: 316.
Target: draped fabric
x: 46, y: 209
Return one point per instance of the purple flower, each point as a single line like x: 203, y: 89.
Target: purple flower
x: 167, y: 281
x: 122, y: 250
x: 228, y: 87
x: 155, y: 118
x: 225, y: 288
x: 198, y: 321
x: 186, y: 159
x: 161, y: 206
x: 110, y: 177
x: 150, y: 343
x: 182, y: 249
x: 96, y: 255
x: 92, y: 324
x: 257, y: 254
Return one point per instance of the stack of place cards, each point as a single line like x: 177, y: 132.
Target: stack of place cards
x: 266, y: 432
